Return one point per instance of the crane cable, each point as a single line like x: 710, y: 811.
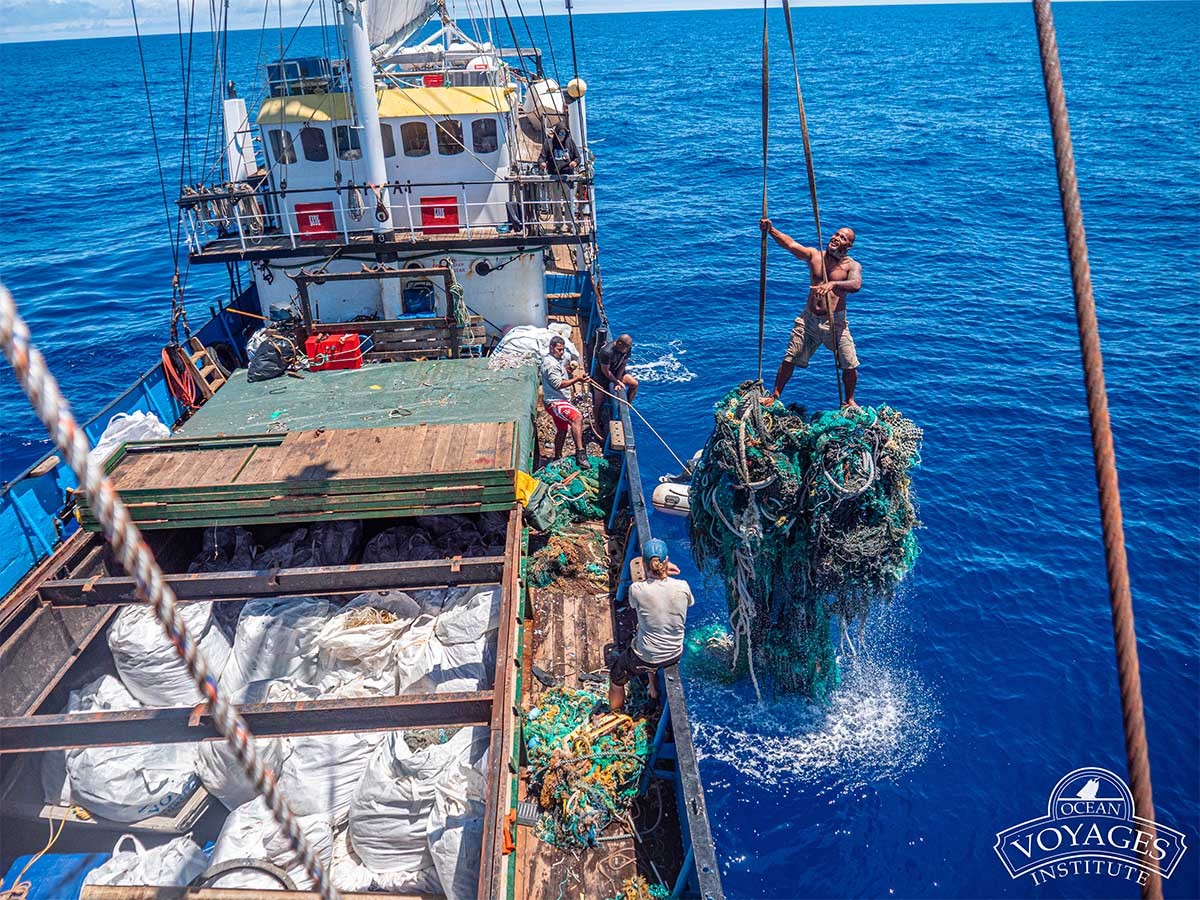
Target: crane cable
x: 762, y: 253
x: 1120, y: 599
x: 812, y: 193
x: 41, y: 387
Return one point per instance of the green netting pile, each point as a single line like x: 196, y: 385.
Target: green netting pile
x: 636, y: 887
x: 585, y: 771
x: 571, y: 549
x: 804, y: 519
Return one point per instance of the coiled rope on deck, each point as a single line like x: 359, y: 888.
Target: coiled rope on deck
x: 1124, y: 637
x: 138, y: 560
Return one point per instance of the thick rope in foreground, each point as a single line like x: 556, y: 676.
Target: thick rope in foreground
x: 52, y: 408
x: 1128, y: 671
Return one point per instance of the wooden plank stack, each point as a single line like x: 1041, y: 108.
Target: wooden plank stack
x: 406, y: 339
x: 317, y: 475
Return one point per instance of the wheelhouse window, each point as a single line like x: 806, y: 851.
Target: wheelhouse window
x: 388, y: 138
x: 316, y: 148
x: 282, y: 148
x: 483, y: 136
x: 450, y: 137
x: 345, y: 141
x: 414, y: 136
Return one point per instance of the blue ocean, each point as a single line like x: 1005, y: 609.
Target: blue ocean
x: 992, y: 675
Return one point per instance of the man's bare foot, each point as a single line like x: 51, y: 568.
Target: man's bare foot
x: 769, y: 399
x: 850, y: 404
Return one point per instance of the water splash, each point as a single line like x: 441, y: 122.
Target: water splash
x: 661, y: 363
x: 881, y: 723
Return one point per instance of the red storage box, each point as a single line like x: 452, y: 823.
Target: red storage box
x: 334, y: 351
x: 439, y: 215
x: 315, y: 221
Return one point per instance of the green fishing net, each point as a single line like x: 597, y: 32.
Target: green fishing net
x: 585, y: 772
x: 636, y: 887
x: 573, y: 548
x: 804, y: 519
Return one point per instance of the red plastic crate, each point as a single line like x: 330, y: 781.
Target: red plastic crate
x: 334, y: 351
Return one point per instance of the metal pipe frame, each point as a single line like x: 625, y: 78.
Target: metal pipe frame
x: 296, y: 582
x: 114, y: 728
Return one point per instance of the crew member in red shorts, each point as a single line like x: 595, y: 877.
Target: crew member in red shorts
x: 555, y: 383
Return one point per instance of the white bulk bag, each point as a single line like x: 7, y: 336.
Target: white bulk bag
x: 470, y: 618
x: 174, y: 864
x: 359, y: 660
x: 134, y: 426
x: 390, y: 813
x: 319, y: 773
x: 148, y: 663
x: 276, y: 638
x: 251, y: 832
x: 126, y: 784
x: 219, y: 769
x: 426, y: 665
x: 531, y: 341
x: 456, y: 830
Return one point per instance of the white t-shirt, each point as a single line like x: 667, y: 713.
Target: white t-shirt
x: 554, y: 373
x: 661, y: 605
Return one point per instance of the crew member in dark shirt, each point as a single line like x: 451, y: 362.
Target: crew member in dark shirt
x: 611, y: 361
x: 560, y: 158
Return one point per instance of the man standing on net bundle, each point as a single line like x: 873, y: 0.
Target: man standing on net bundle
x: 832, y: 275
x: 555, y: 382
x: 661, y: 603
x: 560, y: 158
x: 611, y: 360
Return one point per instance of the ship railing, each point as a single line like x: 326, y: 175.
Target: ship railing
x: 530, y: 204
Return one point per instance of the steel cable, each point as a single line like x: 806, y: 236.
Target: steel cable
x: 1120, y: 599
x: 138, y: 560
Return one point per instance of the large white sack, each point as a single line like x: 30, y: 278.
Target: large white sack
x: 251, y: 832
x: 389, y: 817
x: 531, y: 341
x: 319, y: 773
x: 456, y: 830
x: 219, y: 769
x: 126, y: 784
x: 134, y: 426
x: 426, y: 665
x: 148, y: 663
x: 357, y: 648
x: 276, y: 638
x: 470, y: 618
x: 174, y: 864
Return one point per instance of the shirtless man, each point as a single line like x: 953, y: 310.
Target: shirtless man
x: 812, y: 329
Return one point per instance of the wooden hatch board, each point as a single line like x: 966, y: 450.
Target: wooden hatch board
x: 312, y: 475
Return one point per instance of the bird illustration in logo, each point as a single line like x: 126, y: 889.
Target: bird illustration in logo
x: 1089, y: 790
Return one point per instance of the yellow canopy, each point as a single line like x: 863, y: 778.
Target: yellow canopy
x: 394, y: 103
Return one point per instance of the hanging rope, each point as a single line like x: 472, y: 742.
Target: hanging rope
x: 1136, y: 748
x: 762, y: 252
x: 812, y: 193
x: 138, y: 560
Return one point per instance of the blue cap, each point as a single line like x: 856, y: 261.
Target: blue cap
x: 654, y: 547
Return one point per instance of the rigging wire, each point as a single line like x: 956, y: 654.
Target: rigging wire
x: 532, y: 43
x: 762, y: 252
x: 812, y: 193
x: 549, y: 42
x: 571, y: 27
x: 1117, y: 567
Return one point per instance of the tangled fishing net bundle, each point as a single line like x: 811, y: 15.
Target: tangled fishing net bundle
x: 585, y: 771
x: 804, y: 520
x: 636, y: 887
x: 573, y: 548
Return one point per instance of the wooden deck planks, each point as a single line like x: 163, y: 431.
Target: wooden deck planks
x: 570, y: 634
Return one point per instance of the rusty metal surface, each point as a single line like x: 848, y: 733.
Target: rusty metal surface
x: 180, y: 724
x: 492, y: 881
x: 297, y: 582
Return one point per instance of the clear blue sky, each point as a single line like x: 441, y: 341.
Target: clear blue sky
x: 32, y: 20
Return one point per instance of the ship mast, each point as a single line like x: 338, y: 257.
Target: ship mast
x: 362, y: 83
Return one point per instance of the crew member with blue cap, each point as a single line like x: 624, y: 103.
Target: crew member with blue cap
x: 661, y: 603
